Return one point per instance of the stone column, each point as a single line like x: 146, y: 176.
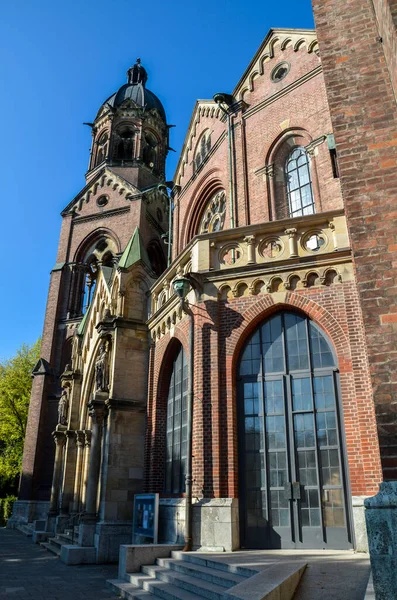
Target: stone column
x: 97, y: 413
x: 381, y: 518
x: 293, y: 246
x: 80, y: 440
x: 250, y: 241
x: 60, y: 441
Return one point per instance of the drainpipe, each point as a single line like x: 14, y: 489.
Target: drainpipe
x: 182, y: 287
x: 189, y: 461
x: 221, y: 100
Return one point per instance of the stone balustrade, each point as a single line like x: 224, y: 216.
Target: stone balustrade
x: 290, y: 243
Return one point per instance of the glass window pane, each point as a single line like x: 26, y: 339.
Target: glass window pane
x: 176, y: 446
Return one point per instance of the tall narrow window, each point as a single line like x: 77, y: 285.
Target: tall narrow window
x: 299, y: 184
x: 176, y: 442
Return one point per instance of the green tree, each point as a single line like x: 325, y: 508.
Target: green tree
x: 15, y: 386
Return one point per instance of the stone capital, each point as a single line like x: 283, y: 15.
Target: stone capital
x: 87, y: 438
x: 291, y: 232
x: 80, y: 438
x: 59, y: 438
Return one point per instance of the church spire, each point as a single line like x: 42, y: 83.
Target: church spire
x: 137, y: 74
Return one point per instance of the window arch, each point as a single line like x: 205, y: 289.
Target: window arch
x: 150, y: 151
x: 102, y: 148
x: 289, y: 438
x: 299, y: 183
x: 176, y: 426
x: 213, y: 218
x: 124, y: 143
x: 202, y: 149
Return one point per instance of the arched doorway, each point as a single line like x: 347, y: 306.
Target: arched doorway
x: 292, y: 477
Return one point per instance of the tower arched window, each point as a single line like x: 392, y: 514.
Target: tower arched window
x: 299, y: 183
x: 102, y: 149
x: 125, y: 144
x: 150, y: 151
x: 202, y: 149
x: 176, y: 428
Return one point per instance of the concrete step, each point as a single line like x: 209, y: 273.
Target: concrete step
x: 26, y: 529
x: 189, y: 583
x: 195, y: 558
x: 168, y: 591
x: 51, y: 547
x: 127, y: 590
x: 217, y: 576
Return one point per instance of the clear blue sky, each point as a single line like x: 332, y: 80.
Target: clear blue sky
x: 59, y: 62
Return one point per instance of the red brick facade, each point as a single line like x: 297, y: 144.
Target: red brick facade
x: 359, y: 65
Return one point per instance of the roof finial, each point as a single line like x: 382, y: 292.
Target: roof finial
x: 137, y: 74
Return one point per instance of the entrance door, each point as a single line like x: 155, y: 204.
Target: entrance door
x: 292, y: 481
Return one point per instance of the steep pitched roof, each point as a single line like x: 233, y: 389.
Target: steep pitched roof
x: 134, y: 252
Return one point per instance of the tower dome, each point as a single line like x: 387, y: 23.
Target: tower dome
x: 135, y: 89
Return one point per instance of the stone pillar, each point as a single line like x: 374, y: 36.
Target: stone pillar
x: 381, y: 518
x: 250, y: 241
x: 80, y: 440
x: 60, y: 440
x: 97, y: 413
x: 293, y: 246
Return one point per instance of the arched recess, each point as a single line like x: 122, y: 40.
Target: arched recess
x: 167, y: 421
x: 156, y: 257
x: 202, y: 149
x: 203, y: 194
x: 124, y: 142
x: 101, y: 246
x: 292, y: 477
x: 276, y: 161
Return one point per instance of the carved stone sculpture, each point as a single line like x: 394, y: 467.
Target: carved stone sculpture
x: 63, y: 407
x: 102, y: 370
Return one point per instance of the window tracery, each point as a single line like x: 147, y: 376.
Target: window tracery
x: 202, y: 149
x: 213, y: 218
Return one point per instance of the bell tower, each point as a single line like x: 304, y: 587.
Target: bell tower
x: 123, y: 204
x: 130, y: 133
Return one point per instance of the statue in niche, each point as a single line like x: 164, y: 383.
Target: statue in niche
x: 63, y: 407
x: 102, y: 370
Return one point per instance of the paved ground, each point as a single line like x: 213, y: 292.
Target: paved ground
x: 27, y: 572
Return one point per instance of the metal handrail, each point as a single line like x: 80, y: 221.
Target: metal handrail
x: 71, y: 521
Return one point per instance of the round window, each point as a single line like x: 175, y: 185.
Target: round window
x: 102, y: 201
x: 280, y: 71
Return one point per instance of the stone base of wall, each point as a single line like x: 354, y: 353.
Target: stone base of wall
x: 215, y: 523
x: 360, y: 530
x: 108, y: 538
x: 27, y: 511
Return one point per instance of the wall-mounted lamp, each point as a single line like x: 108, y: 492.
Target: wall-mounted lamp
x: 181, y: 287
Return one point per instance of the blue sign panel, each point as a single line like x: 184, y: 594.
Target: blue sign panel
x: 146, y: 510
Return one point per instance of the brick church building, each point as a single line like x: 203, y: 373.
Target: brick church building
x: 227, y: 340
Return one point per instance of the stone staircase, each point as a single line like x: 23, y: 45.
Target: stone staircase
x: 27, y: 529
x: 55, y: 543
x: 182, y: 577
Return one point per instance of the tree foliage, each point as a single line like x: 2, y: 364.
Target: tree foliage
x: 15, y: 386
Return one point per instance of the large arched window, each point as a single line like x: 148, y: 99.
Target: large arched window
x: 176, y: 432
x: 292, y: 484
x: 299, y: 184
x: 202, y: 149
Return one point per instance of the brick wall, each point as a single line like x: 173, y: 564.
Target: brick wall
x: 364, y: 117
x: 221, y: 329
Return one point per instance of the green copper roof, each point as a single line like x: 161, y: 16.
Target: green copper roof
x: 81, y: 327
x: 135, y: 251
